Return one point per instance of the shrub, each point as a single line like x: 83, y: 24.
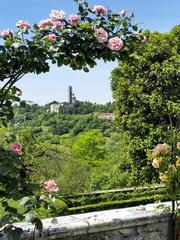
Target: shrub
x: 61, y: 207
x: 116, y: 204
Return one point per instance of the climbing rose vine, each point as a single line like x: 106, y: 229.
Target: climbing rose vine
x: 78, y: 40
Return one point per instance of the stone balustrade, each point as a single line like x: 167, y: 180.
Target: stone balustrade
x: 135, y: 223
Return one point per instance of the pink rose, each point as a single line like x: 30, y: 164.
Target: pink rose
x: 7, y: 34
x: 73, y: 20
x: 122, y: 12
x: 101, y: 35
x: 57, y: 15
x: 52, y: 37
x: 57, y: 25
x: 51, y: 186
x: 16, y: 148
x: 45, y: 23
x: 115, y: 43
x: 100, y: 10
x: 144, y: 41
x: 23, y: 24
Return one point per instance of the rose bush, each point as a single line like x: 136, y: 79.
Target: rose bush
x: 166, y: 159
x: 16, y: 184
x: 167, y: 162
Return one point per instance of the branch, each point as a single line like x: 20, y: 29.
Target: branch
x: 11, y: 82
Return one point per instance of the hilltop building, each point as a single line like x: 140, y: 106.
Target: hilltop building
x: 54, y: 106
x: 107, y: 116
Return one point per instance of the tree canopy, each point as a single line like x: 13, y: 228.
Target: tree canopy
x: 147, y: 93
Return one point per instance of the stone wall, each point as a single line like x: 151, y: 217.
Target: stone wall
x: 136, y: 223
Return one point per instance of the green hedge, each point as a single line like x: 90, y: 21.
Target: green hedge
x: 60, y: 208
x: 110, y: 197
x: 116, y: 204
x: 98, y: 202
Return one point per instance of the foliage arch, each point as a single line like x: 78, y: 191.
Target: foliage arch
x: 93, y: 34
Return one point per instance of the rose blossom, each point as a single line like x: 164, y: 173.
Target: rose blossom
x: 178, y: 145
x: 144, y: 41
x: 101, y: 35
x: 164, y: 148
x: 45, y: 23
x: 155, y: 163
x: 57, y: 25
x: 156, y: 152
x: 160, y: 149
x: 51, y: 186
x: 115, y: 43
x: 122, y: 12
x: 57, y: 15
x: 16, y: 148
x: 73, y: 20
x: 23, y: 24
x: 7, y: 34
x: 99, y: 10
x: 52, y: 37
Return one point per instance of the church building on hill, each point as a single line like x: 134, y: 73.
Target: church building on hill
x: 54, y: 106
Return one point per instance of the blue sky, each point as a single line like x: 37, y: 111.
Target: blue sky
x: 157, y: 15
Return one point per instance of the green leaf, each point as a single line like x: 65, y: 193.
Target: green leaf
x: 42, y: 197
x: 135, y: 27
x: 33, y: 200
x: 81, y: 9
x: 131, y: 15
x: 14, y: 234
x: 24, y: 200
x: 23, y: 104
x: 125, y: 23
x: 5, y: 220
x: 86, y: 69
x: 30, y: 216
x: 85, y: 26
x: 4, y: 204
x: 8, y: 42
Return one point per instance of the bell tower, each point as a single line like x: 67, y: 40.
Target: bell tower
x: 70, y: 94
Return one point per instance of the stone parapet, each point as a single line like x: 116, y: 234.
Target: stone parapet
x: 135, y: 223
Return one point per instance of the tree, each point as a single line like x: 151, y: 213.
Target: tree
x: 115, y: 170
x: 147, y: 93
x: 87, y: 152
